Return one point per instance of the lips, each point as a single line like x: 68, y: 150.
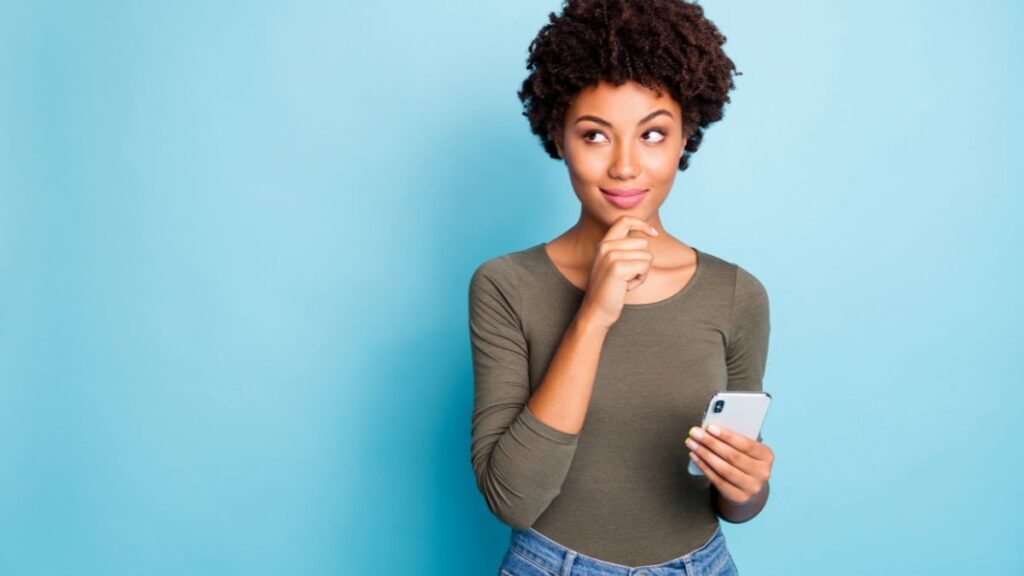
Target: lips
x: 623, y: 192
x: 624, y: 198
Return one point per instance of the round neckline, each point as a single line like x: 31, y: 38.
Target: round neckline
x: 675, y: 296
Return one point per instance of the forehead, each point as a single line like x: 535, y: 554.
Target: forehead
x: 626, y: 103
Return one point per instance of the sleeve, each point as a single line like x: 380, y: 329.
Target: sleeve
x: 747, y: 347
x: 519, y: 461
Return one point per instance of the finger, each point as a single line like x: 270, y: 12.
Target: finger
x: 724, y: 450
x: 745, y: 444
x: 622, y: 226
x: 630, y: 266
x: 616, y: 255
x: 630, y: 269
x: 631, y: 243
x: 636, y: 282
x: 725, y: 487
x: 740, y: 479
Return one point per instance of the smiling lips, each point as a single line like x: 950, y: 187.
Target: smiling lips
x: 624, y: 198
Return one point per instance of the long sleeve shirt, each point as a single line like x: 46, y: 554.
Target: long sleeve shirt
x: 619, y: 489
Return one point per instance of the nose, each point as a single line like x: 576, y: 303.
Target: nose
x: 623, y: 166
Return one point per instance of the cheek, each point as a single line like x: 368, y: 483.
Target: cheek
x: 587, y: 167
x: 662, y: 164
x: 666, y: 151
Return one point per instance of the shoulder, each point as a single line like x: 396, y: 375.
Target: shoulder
x: 501, y: 273
x: 749, y: 287
x: 733, y: 278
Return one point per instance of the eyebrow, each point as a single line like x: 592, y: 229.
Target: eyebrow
x: 609, y: 124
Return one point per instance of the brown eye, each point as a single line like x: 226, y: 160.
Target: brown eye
x: 589, y: 132
x: 658, y: 131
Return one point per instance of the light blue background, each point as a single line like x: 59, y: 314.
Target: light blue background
x: 236, y: 240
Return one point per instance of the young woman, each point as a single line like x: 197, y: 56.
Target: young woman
x: 595, y: 354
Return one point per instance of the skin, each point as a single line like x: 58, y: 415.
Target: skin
x: 615, y: 137
x: 624, y: 155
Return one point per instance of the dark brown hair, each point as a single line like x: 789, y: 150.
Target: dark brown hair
x: 661, y: 44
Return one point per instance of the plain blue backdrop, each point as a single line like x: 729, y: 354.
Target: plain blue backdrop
x: 236, y: 241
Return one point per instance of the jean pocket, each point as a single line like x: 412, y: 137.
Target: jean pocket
x: 518, y: 564
x: 725, y: 567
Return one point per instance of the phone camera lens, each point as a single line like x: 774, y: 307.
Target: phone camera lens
x: 719, y: 405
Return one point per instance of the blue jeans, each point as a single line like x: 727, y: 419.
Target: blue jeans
x: 531, y: 553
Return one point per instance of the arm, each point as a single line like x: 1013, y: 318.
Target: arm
x: 746, y: 356
x: 522, y: 447
x: 746, y: 350
x: 563, y: 395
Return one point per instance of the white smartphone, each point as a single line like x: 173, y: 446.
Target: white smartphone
x: 742, y: 412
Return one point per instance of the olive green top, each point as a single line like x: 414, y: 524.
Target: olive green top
x: 619, y: 490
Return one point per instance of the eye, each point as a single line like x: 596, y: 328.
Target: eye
x: 589, y: 133
x: 659, y: 131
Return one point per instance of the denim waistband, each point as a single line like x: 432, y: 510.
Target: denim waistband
x: 557, y: 559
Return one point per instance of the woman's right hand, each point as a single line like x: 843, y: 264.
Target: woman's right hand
x: 621, y: 263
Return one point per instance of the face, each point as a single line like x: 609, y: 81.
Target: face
x: 622, y: 139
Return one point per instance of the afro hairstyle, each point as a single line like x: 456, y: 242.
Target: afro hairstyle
x: 661, y: 44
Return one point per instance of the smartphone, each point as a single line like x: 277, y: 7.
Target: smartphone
x: 741, y: 412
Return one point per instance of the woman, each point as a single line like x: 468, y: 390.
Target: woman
x: 595, y: 354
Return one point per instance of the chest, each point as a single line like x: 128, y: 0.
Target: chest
x: 654, y: 363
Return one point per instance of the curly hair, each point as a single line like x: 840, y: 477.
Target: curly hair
x: 662, y: 44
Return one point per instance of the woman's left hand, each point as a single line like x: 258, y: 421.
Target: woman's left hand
x: 737, y: 465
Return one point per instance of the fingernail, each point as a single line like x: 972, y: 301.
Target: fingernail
x: 713, y: 429
x: 696, y: 433
x: 691, y: 444
x: 654, y: 231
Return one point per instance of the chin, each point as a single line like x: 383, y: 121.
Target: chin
x: 609, y: 214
